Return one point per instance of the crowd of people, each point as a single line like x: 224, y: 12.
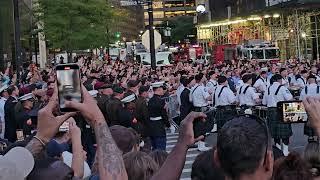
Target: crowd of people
x: 119, y: 129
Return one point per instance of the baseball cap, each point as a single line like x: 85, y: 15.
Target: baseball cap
x: 16, y: 164
x: 55, y: 149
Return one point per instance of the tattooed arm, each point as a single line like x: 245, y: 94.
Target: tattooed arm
x: 110, y: 162
x: 35, y: 147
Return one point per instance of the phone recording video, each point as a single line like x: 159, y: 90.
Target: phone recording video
x: 292, y: 112
x: 69, y: 85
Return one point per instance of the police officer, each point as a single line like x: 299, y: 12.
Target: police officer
x: 311, y: 89
x: 200, y: 99
x: 262, y: 82
x: 224, y: 102
x: 158, y: 118
x: 279, y: 131
x: 246, y: 95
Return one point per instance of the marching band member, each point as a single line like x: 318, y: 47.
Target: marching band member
x: 224, y: 102
x: 302, y: 81
x: 311, y: 89
x: 284, y: 74
x: 279, y: 131
x: 246, y: 95
x: 200, y: 99
x: 262, y: 82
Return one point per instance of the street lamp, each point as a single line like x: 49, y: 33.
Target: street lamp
x: 201, y: 8
x: 304, y: 36
x: 276, y: 15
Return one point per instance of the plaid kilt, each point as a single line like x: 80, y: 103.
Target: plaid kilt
x: 277, y: 128
x: 201, y: 128
x: 224, y: 115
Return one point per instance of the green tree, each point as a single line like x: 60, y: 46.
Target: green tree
x: 181, y: 27
x: 76, y: 24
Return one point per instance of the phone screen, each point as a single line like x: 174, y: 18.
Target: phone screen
x: 293, y: 112
x: 69, y: 87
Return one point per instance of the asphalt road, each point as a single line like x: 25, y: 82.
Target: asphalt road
x: 297, y: 142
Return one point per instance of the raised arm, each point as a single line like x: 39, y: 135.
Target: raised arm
x: 173, y: 166
x: 110, y: 162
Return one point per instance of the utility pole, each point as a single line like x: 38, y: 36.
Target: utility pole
x: 151, y: 30
x: 17, y: 41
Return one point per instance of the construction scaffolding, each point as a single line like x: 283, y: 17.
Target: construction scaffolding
x: 296, y: 32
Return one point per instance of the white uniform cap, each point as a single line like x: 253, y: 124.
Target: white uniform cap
x: 93, y: 93
x: 26, y: 97
x: 129, y: 98
x: 157, y: 84
x: 5, y: 87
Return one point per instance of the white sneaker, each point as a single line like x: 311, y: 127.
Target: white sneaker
x: 202, y: 147
x: 285, y: 150
x: 214, y: 129
x: 248, y: 111
x: 172, y: 129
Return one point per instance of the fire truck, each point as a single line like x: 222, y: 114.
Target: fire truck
x: 262, y: 52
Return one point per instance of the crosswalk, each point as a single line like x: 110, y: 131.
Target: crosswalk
x: 191, y: 155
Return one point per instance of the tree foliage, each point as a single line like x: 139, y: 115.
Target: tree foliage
x: 76, y: 24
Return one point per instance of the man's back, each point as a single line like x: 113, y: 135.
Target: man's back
x: 10, y: 122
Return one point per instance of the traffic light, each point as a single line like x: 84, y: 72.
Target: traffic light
x: 118, y: 34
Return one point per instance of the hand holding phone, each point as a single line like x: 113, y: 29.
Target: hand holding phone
x: 292, y: 112
x: 69, y: 85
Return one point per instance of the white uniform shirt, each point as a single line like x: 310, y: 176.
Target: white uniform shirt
x: 262, y: 84
x: 211, y: 85
x: 271, y: 99
x: 178, y: 92
x: 199, y: 96
x: 301, y: 82
x: 247, y: 98
x: 311, y: 91
x: 285, y: 82
x: 240, y: 83
x: 226, y: 97
x: 2, y: 121
x: 293, y: 79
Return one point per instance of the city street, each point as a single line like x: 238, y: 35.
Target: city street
x: 297, y: 143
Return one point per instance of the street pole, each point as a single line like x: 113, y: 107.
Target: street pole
x: 17, y: 36
x: 317, y: 40
x: 36, y: 48
x: 151, y: 30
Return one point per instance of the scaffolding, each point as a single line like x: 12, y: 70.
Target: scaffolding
x: 295, y: 32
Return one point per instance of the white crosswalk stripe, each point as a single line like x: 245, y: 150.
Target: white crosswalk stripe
x: 191, y: 155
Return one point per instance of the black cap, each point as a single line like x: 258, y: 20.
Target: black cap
x: 222, y: 79
x: 276, y: 77
x: 311, y: 76
x: 143, y: 89
x: 118, y: 89
x: 247, y: 77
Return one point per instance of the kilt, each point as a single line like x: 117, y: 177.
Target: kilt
x: 224, y: 114
x: 200, y: 127
x: 278, y: 129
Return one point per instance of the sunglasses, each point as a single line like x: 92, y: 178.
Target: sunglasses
x: 265, y: 127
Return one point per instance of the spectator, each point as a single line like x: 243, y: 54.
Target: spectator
x: 292, y: 167
x: 159, y: 156
x: 244, y: 149
x: 312, y: 156
x: 204, y: 167
x: 139, y: 165
x: 125, y: 138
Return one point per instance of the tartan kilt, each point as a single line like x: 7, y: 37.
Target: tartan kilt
x: 223, y: 116
x: 277, y: 129
x: 201, y: 128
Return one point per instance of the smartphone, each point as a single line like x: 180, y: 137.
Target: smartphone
x: 292, y: 112
x: 64, y: 127
x: 69, y: 85
x: 20, y: 136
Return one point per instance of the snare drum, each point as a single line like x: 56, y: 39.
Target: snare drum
x: 261, y: 111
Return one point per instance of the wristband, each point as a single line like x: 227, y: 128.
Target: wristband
x: 37, y: 138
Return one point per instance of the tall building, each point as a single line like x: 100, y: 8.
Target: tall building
x: 131, y: 23
x: 166, y: 9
